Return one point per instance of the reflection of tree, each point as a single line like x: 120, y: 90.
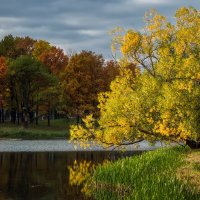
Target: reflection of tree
x: 80, y: 173
x: 44, y: 175
x: 36, y: 175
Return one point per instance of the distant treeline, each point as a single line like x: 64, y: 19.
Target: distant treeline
x: 38, y: 79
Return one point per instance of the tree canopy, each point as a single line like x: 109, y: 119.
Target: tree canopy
x: 84, y: 78
x: 161, y: 99
x: 38, y: 79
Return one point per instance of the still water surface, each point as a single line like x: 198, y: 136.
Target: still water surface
x: 44, y: 175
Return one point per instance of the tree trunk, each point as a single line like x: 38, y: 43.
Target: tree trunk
x: 3, y: 116
x: 193, y: 144
x: 36, y: 113
x: 49, y: 112
x: 12, y: 99
x: 18, y: 117
x: 0, y: 115
x: 25, y: 118
x: 13, y: 115
x: 31, y: 116
x: 77, y: 119
x: 22, y: 116
x: 18, y: 113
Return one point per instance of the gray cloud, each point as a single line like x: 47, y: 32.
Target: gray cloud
x: 79, y: 24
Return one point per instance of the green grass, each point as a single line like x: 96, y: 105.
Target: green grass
x: 150, y: 176
x: 196, y: 166
x: 59, y: 129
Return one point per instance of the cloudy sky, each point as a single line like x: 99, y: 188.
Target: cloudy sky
x: 79, y: 24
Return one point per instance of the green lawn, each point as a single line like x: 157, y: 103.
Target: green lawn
x: 163, y: 174
x: 59, y: 129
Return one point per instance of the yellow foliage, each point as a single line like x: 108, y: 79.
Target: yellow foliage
x: 79, y: 173
x: 161, y: 102
x: 131, y: 40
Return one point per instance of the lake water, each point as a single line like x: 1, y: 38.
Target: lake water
x: 44, y: 175
x: 40, y: 170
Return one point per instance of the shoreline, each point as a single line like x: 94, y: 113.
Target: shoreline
x: 62, y: 145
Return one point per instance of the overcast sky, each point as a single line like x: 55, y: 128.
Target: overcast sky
x: 79, y: 24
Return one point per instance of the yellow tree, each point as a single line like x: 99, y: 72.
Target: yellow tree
x: 162, y: 102
x: 40, y: 47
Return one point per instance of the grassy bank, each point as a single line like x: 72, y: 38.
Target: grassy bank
x: 58, y: 129
x: 165, y: 174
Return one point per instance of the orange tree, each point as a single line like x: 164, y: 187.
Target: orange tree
x: 83, y: 81
x: 3, y: 85
x: 55, y: 60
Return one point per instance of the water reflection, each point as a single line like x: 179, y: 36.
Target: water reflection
x: 46, y: 175
x: 80, y: 173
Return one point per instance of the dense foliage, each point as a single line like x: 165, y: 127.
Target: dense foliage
x: 38, y: 79
x: 160, y: 101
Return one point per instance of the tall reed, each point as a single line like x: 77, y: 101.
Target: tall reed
x: 150, y: 176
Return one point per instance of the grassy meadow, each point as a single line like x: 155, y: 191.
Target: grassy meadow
x: 59, y: 129
x: 167, y: 174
